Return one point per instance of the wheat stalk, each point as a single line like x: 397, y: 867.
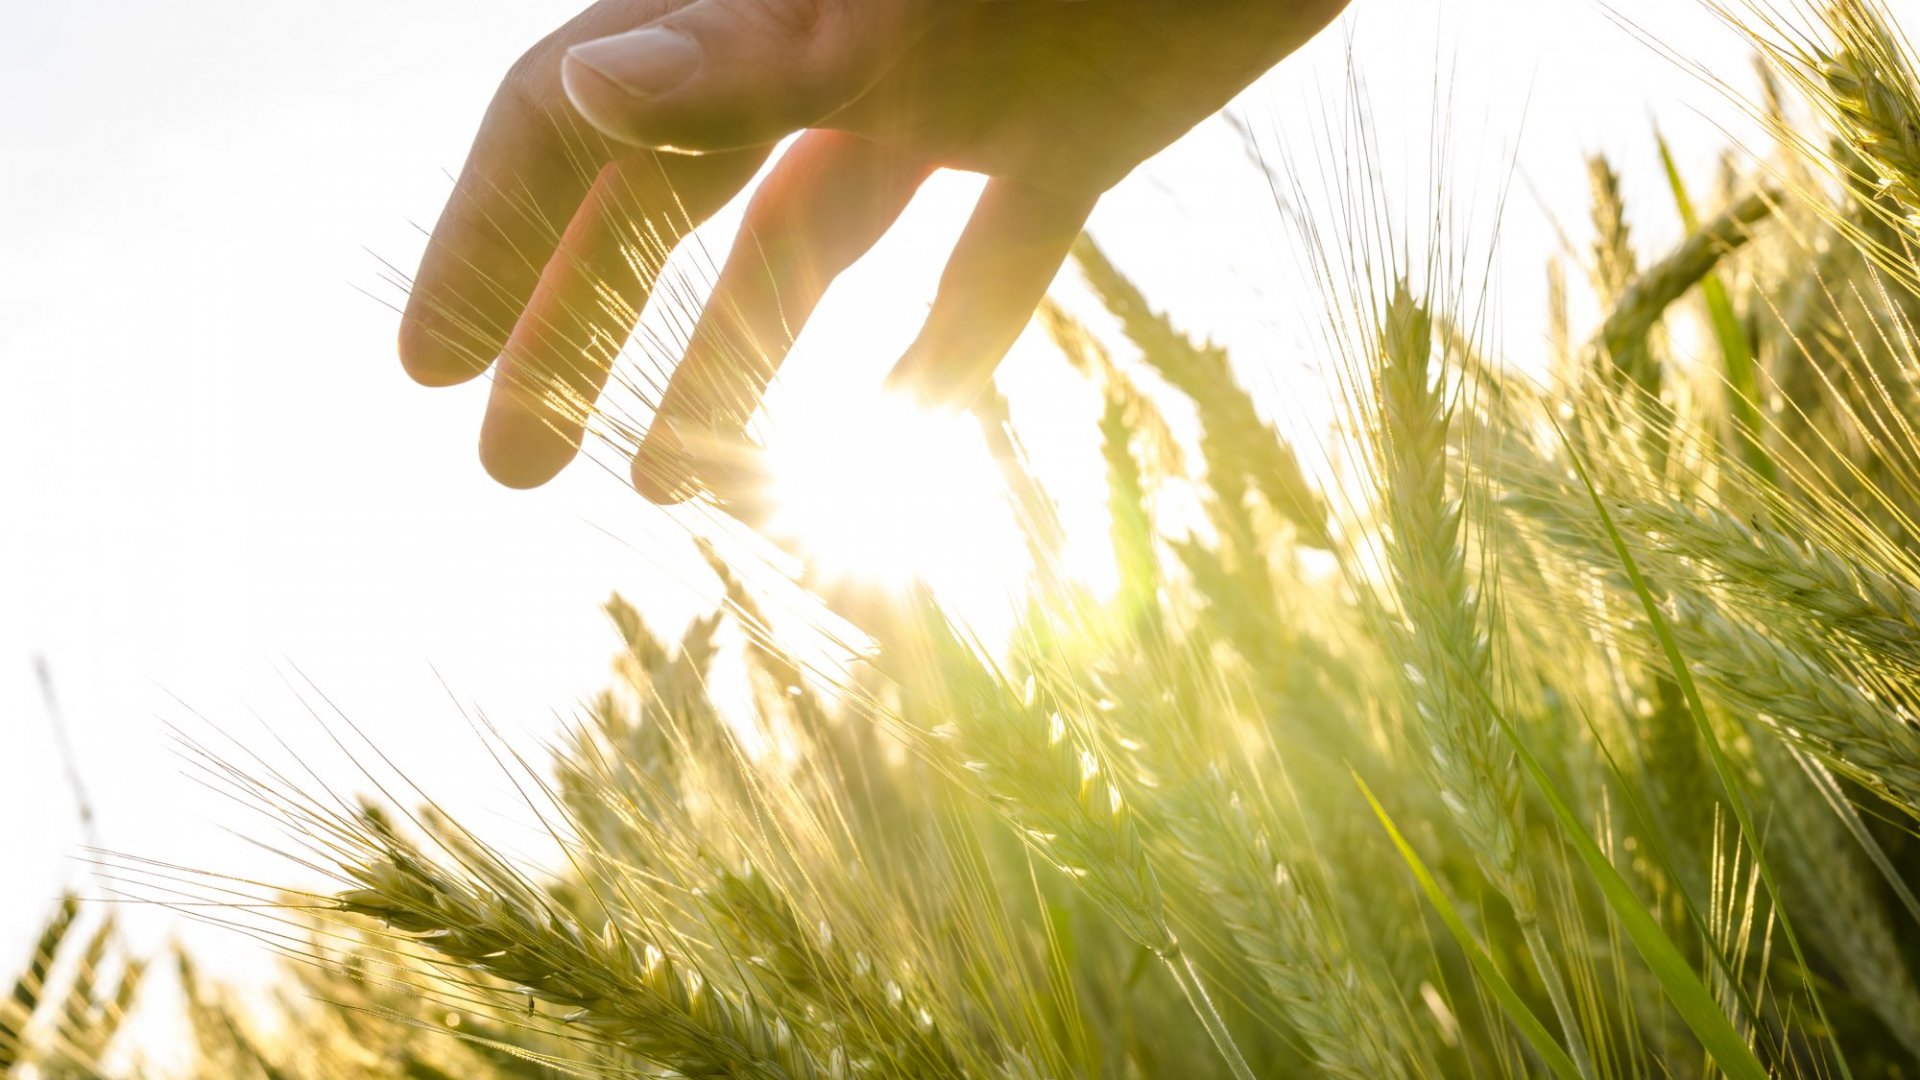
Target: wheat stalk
x: 1643, y: 299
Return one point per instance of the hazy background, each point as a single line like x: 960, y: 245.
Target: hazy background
x: 215, y: 482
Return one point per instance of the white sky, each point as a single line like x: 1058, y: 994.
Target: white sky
x: 213, y: 473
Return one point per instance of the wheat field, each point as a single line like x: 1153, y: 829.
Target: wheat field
x: 1559, y: 715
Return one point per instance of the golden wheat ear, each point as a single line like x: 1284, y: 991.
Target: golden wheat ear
x: 68, y: 1005
x: 30, y: 987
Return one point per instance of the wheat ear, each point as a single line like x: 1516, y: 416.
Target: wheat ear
x: 1872, y: 91
x: 1875, y: 608
x: 1874, y: 744
x: 625, y: 992
x: 1443, y: 648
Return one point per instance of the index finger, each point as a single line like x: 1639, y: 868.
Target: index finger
x: 531, y: 164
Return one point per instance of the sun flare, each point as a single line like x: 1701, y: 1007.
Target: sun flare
x: 885, y: 492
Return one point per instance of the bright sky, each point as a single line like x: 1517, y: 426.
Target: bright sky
x: 216, y: 476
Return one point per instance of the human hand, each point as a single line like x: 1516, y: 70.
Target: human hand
x: 557, y: 229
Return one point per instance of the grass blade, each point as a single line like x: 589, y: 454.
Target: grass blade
x: 1523, y: 1019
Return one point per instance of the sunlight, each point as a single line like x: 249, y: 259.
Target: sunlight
x: 881, y: 491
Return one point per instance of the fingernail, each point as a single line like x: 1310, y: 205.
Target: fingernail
x: 641, y: 62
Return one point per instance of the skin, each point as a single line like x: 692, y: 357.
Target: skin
x: 616, y: 135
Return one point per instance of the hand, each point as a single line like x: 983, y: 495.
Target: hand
x: 557, y: 228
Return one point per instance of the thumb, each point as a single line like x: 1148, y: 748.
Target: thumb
x: 725, y: 74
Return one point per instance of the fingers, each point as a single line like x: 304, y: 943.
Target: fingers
x: 524, y: 178
x: 588, y: 298
x: 999, y: 272
x: 830, y: 197
x: 531, y: 164
x: 719, y: 74
x: 534, y: 158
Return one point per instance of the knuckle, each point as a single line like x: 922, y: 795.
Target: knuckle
x: 530, y: 76
x: 799, y: 21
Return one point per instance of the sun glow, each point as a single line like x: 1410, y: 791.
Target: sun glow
x: 882, y: 491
